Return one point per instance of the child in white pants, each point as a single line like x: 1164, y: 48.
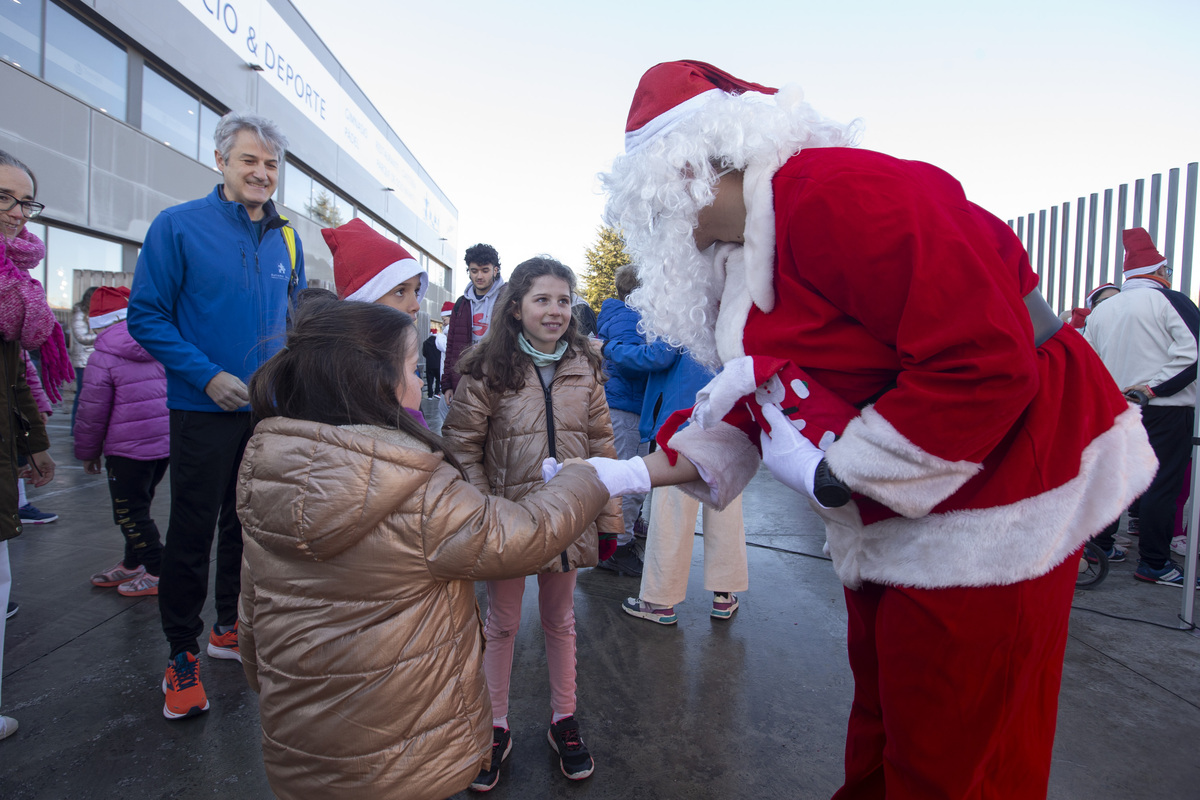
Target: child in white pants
x: 669, y: 556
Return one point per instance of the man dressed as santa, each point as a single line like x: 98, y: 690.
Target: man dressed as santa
x: 981, y: 440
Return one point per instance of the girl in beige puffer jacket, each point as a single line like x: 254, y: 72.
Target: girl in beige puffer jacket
x: 358, y: 624
x: 532, y: 389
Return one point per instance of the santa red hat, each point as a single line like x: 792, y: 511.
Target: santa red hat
x: 447, y: 308
x: 670, y: 92
x: 366, y: 265
x: 1141, y: 256
x: 109, y: 305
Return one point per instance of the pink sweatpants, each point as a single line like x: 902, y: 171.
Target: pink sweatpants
x: 556, y: 602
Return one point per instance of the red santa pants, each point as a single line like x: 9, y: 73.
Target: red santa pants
x: 955, y: 690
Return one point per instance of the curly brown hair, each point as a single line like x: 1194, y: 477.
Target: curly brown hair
x: 498, y: 360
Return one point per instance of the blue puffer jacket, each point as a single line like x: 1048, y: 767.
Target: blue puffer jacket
x: 672, y: 379
x: 208, y: 296
x: 617, y: 326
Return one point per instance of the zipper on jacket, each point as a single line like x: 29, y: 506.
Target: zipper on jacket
x: 566, y: 564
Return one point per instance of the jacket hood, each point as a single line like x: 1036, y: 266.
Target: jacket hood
x: 488, y: 297
x: 116, y: 339
x: 319, y: 487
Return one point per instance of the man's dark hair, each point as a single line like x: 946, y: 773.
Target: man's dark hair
x: 625, y: 281
x: 482, y: 254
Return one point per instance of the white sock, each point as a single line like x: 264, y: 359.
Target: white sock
x: 624, y: 539
x: 556, y: 717
x: 21, y: 500
x: 500, y: 722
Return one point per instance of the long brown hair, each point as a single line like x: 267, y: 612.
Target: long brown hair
x: 341, y: 364
x: 498, y: 359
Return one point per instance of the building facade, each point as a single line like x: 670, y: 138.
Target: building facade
x: 113, y: 104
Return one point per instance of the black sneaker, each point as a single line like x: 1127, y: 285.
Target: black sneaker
x: 501, y: 747
x: 573, y: 756
x: 625, y: 561
x: 13, y: 608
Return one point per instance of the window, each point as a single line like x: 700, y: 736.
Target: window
x: 21, y: 35
x: 83, y: 62
x: 208, y: 127
x: 67, y: 251
x: 170, y: 114
x: 448, y: 279
x: 297, y: 188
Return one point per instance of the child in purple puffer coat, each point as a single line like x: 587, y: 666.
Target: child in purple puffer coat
x: 123, y: 414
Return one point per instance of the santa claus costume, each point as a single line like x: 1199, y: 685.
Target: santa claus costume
x: 988, y: 445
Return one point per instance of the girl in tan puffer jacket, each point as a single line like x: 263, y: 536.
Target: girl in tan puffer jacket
x: 358, y: 624
x: 531, y: 389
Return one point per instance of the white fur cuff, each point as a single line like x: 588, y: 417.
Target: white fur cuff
x: 723, y: 455
x: 876, y: 460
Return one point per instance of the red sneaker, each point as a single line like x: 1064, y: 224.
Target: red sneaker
x: 224, y: 645
x: 185, y: 693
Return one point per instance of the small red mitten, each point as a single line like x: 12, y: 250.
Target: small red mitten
x: 608, y: 545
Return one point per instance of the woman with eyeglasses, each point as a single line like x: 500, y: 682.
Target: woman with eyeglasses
x: 26, y: 322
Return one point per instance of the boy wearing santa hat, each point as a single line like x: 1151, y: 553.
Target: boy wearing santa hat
x: 1146, y: 335
x: 373, y: 269
x: 981, y: 449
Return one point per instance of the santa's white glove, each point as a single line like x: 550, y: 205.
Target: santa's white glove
x: 792, y: 459
x: 550, y: 468
x: 622, y: 477
x: 715, y: 400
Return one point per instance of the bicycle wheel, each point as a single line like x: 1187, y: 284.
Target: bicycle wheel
x: 1093, y: 567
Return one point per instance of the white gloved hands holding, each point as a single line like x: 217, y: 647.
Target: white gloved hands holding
x: 622, y: 477
x: 720, y: 395
x: 791, y: 458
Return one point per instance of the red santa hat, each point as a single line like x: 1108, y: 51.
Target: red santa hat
x: 109, y: 305
x: 670, y: 92
x: 1141, y: 256
x: 447, y: 308
x: 366, y: 265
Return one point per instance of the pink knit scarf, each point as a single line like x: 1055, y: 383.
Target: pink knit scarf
x: 24, y: 314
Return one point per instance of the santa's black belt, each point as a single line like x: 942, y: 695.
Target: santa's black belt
x: 1045, y: 322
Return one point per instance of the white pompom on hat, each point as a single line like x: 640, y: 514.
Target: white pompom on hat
x: 109, y: 305
x: 366, y: 265
x: 672, y: 91
x: 1141, y: 256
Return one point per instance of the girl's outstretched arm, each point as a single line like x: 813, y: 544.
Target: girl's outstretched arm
x: 663, y: 474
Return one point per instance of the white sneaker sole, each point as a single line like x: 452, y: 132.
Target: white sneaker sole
x: 224, y: 652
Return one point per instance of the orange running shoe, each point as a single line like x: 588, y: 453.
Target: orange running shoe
x: 224, y: 645
x: 185, y: 693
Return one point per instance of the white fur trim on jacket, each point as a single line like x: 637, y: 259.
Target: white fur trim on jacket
x: 725, y: 457
x: 749, y: 270
x: 729, y: 262
x: 1001, y: 545
x: 875, y: 459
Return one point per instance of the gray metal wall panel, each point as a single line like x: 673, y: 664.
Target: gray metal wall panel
x: 60, y: 124
x: 135, y: 177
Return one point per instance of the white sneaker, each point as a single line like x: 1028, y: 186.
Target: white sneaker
x: 1179, y: 545
x: 8, y: 726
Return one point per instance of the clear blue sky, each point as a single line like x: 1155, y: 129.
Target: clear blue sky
x: 514, y: 108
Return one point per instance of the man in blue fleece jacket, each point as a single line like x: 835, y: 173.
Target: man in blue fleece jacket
x: 210, y: 298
